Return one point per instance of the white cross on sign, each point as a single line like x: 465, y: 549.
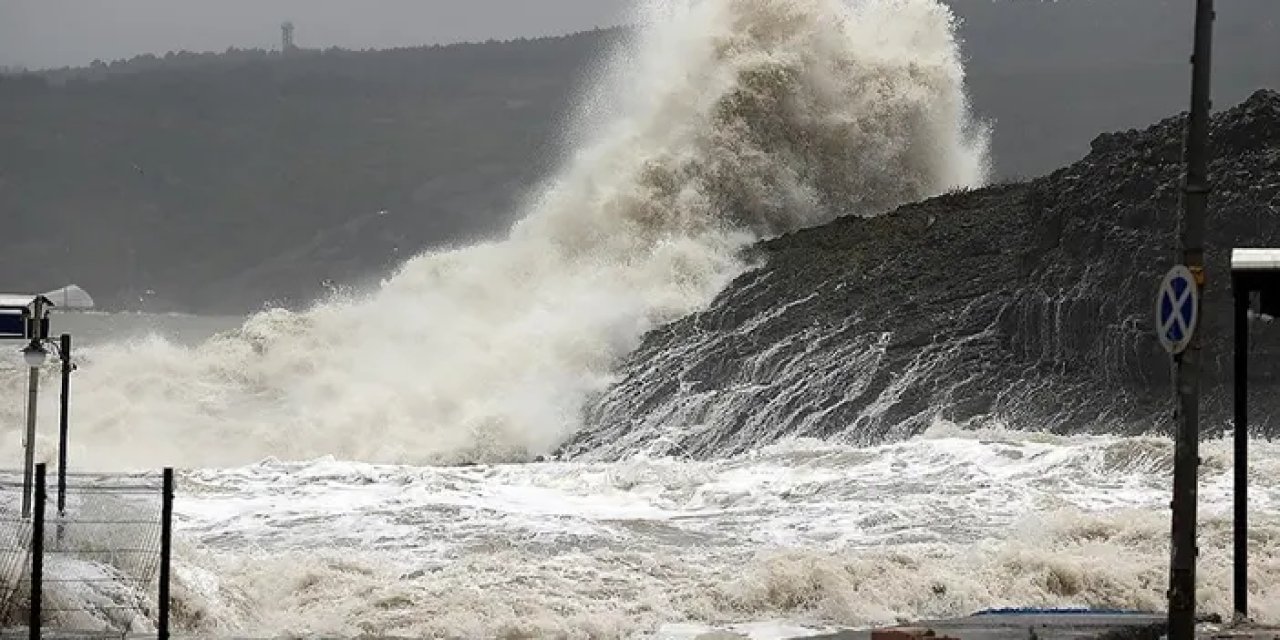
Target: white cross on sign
x: 1177, y: 309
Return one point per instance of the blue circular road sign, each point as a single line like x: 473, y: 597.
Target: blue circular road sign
x: 1177, y: 309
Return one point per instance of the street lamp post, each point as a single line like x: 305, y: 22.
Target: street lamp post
x: 26, y: 317
x: 33, y: 355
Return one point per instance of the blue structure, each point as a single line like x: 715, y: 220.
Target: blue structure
x: 1078, y: 611
x: 24, y: 317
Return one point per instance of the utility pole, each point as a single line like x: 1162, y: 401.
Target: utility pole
x: 1182, y: 579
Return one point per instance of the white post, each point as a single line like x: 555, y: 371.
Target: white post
x: 34, y: 334
x: 28, y: 469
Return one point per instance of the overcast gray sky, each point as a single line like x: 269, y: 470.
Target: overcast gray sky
x: 53, y: 33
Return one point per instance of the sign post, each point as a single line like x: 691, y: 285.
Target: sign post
x: 64, y: 401
x: 1186, y: 459
x: 1177, y: 317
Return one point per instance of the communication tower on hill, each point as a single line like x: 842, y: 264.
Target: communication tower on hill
x: 286, y: 38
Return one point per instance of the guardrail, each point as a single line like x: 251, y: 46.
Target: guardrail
x: 99, y: 566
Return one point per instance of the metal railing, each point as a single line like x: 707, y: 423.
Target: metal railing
x: 100, y: 565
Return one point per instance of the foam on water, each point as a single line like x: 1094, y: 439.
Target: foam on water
x: 798, y: 535
x: 724, y: 121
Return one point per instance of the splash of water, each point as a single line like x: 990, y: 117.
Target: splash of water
x: 724, y: 122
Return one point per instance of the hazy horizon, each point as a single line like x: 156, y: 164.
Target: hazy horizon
x: 39, y: 34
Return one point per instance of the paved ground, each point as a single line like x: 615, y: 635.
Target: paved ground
x: 1247, y: 632
x: 1037, y: 626
x: 1054, y: 626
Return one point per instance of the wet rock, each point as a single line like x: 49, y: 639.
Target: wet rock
x: 1028, y: 304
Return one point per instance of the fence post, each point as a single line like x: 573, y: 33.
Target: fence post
x: 166, y: 548
x: 1241, y: 436
x: 37, y: 555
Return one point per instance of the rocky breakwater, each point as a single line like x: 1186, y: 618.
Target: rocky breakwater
x: 1026, y: 304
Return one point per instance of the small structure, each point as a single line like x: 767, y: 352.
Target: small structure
x: 25, y: 317
x: 1254, y: 273
x: 286, y: 38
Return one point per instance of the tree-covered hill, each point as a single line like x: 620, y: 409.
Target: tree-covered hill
x: 218, y: 182
x: 180, y: 176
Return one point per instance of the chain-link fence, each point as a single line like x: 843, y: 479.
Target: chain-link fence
x: 97, y: 566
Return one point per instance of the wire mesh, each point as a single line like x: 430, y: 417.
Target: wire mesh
x: 101, y: 554
x: 15, y: 545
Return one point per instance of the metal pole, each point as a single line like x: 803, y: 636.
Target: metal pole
x: 33, y: 390
x: 1241, y: 521
x: 166, y: 550
x: 1182, y: 579
x: 64, y: 349
x: 37, y: 556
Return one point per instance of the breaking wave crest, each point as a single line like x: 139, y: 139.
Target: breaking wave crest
x: 725, y: 122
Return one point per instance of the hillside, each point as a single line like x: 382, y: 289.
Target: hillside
x: 223, y: 181
x: 216, y: 183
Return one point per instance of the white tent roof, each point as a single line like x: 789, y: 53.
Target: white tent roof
x: 70, y: 297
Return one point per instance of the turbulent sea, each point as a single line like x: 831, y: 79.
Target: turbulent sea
x: 788, y: 540
x: 376, y: 464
